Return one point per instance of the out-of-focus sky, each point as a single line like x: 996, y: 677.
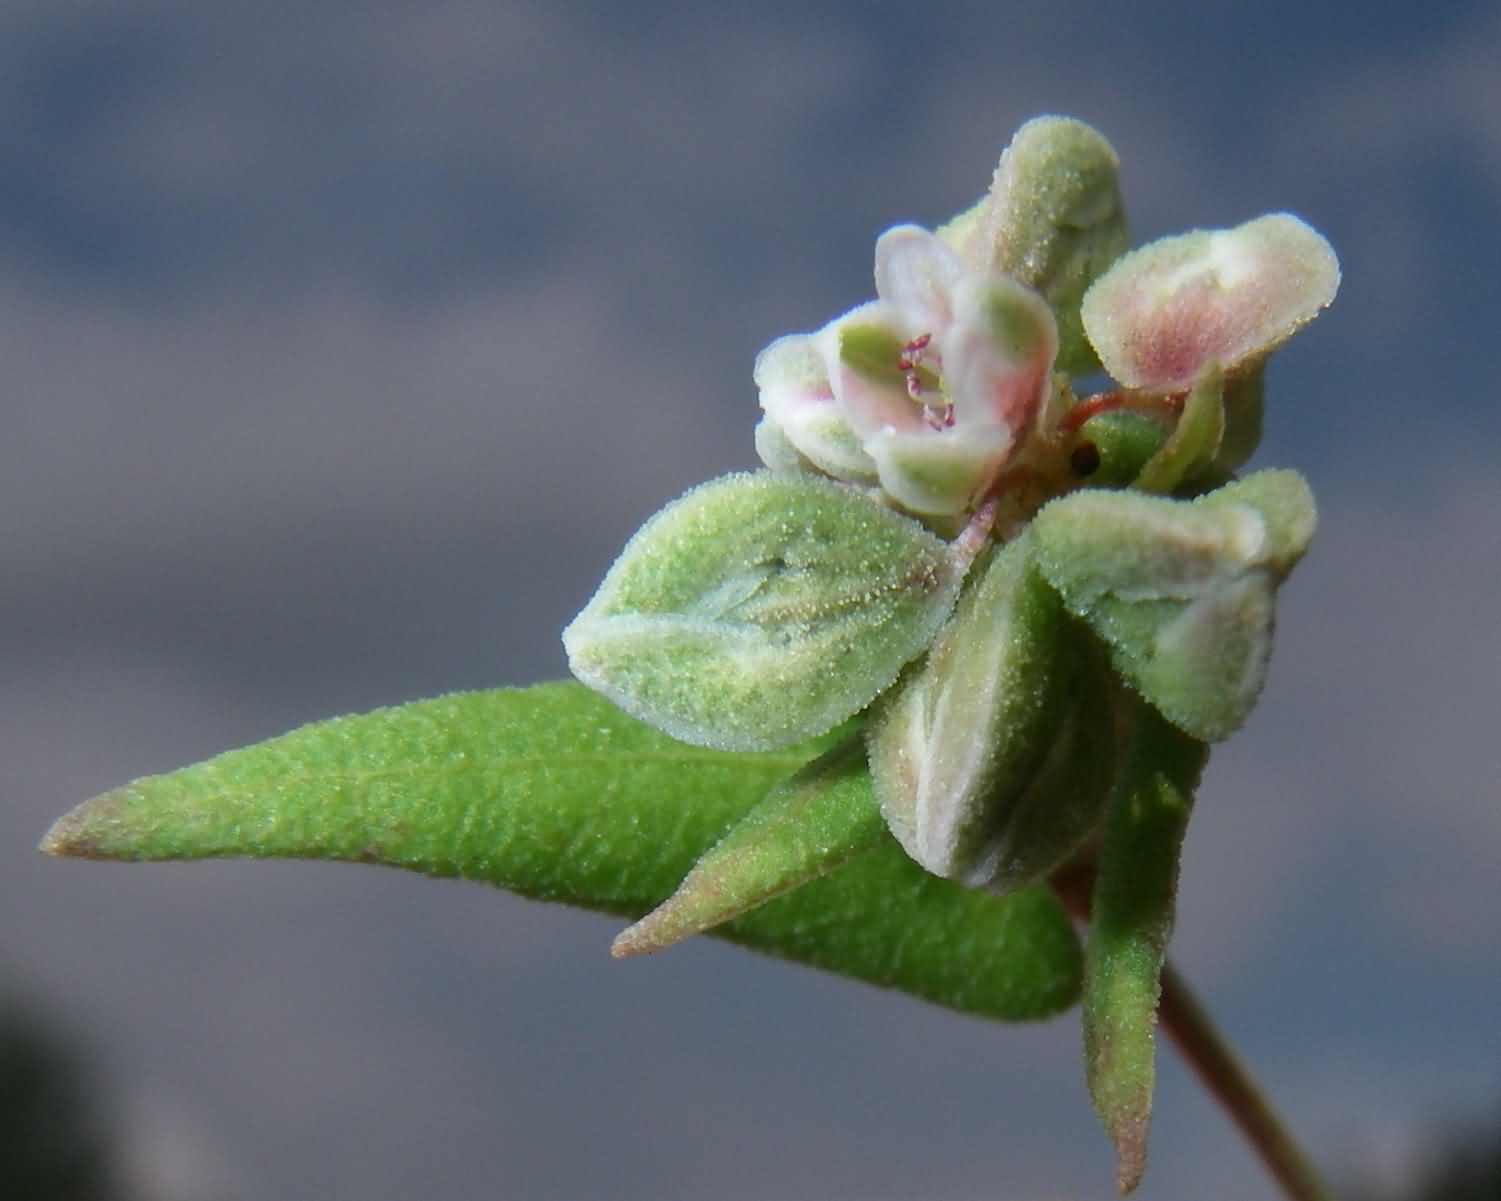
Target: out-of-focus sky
x: 344, y: 344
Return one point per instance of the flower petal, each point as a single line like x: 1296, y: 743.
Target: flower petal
x: 861, y: 351
x: 799, y: 404
x: 916, y: 273
x: 939, y: 471
x: 998, y: 354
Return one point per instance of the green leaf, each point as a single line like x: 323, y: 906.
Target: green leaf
x: 993, y: 757
x: 761, y: 609
x: 1244, y: 400
x: 806, y: 827
x: 1183, y: 592
x: 1131, y: 918
x: 1195, y: 441
x: 554, y: 793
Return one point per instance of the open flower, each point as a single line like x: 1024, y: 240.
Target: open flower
x: 928, y: 390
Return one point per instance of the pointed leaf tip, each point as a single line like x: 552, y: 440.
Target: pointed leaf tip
x: 83, y: 831
x: 1131, y: 920
x: 806, y: 827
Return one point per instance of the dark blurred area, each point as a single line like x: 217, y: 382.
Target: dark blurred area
x: 1460, y: 1161
x: 56, y: 1138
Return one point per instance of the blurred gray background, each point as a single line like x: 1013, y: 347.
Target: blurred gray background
x: 344, y: 344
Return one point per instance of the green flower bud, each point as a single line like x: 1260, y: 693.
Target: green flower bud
x: 992, y: 759
x: 1111, y: 448
x: 1054, y: 220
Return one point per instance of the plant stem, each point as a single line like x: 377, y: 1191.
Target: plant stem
x: 1207, y: 1052
x: 1227, y: 1079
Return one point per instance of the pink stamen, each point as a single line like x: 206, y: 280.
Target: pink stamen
x: 908, y: 363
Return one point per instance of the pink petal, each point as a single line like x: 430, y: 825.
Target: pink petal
x: 998, y: 354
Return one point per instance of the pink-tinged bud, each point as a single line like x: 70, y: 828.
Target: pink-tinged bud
x: 1164, y: 314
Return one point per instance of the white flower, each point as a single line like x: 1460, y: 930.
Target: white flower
x: 928, y: 390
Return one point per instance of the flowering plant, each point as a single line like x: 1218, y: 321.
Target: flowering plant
x: 943, y: 674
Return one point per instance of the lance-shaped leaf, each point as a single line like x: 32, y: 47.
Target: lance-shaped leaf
x: 761, y: 609
x: 1054, y: 221
x: 1183, y: 592
x: 554, y: 793
x: 992, y: 757
x: 1131, y: 917
x: 806, y: 827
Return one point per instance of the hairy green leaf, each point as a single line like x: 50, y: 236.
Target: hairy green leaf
x: 553, y: 793
x: 1131, y: 918
x: 807, y: 826
x: 761, y: 609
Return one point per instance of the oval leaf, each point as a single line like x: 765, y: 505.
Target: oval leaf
x: 553, y: 793
x: 761, y: 609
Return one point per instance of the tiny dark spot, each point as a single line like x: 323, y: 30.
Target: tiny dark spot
x: 1085, y: 459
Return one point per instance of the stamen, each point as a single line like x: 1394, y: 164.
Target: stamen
x: 940, y: 416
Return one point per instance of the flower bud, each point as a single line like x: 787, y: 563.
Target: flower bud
x: 1165, y: 313
x: 992, y: 758
x: 1182, y: 592
x: 1054, y: 221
